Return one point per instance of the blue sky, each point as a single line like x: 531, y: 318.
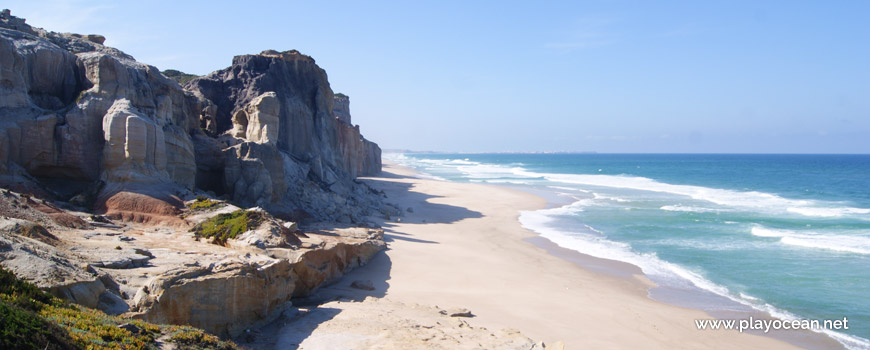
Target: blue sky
x: 606, y: 76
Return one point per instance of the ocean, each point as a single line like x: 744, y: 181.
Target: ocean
x: 783, y: 234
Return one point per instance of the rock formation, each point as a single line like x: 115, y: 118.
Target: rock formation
x: 341, y: 107
x: 85, y: 127
x: 75, y: 115
x: 165, y: 274
x: 75, y: 110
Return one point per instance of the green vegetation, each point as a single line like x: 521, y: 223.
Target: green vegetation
x: 179, y: 76
x: 21, y: 326
x: 33, y: 319
x: 191, y: 338
x: 226, y: 226
x: 203, y: 202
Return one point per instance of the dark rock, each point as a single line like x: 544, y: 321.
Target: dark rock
x: 457, y: 312
x: 363, y: 284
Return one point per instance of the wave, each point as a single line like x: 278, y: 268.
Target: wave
x: 689, y: 209
x: 746, y: 200
x: 569, y: 189
x: 610, y: 198
x: 738, y: 199
x: 594, y: 243
x: 836, y: 242
x: 662, y: 272
x: 828, y: 212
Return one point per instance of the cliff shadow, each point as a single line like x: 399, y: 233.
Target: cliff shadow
x: 293, y: 332
x: 290, y: 330
x: 376, y: 271
x: 415, y: 207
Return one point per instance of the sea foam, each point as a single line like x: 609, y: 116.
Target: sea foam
x: 662, y: 272
x: 856, y: 243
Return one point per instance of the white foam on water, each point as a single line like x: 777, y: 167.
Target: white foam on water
x: 610, y: 198
x: 689, y: 209
x: 828, y: 212
x: 752, y: 200
x: 508, y: 181
x: 569, y: 189
x: 594, y: 242
x: 829, y: 241
x: 747, y: 200
x: 662, y: 272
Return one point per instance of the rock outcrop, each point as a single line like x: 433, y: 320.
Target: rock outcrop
x: 75, y: 110
x: 224, y: 298
x: 75, y: 113
x: 285, y: 146
x: 84, y: 128
x: 309, y: 127
x: 341, y: 108
x: 45, y: 265
x: 166, y: 274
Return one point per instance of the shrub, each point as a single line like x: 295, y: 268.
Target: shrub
x: 33, y: 319
x: 227, y: 226
x: 187, y: 338
x: 203, y: 202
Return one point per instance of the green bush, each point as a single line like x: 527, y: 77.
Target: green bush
x: 33, y: 319
x: 203, y: 202
x: 223, y: 227
x: 23, y: 329
x: 187, y: 338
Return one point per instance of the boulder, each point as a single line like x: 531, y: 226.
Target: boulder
x: 224, y: 298
x: 363, y: 284
x: 47, y: 266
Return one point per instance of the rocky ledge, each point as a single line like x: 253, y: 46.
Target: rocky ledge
x: 167, y: 274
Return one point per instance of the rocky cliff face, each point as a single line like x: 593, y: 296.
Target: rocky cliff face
x: 83, y: 126
x: 75, y: 115
x: 306, y: 125
x: 76, y: 110
x: 341, y: 107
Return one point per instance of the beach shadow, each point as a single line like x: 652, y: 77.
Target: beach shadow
x: 392, y: 236
x: 289, y: 333
x: 300, y: 328
x: 423, y: 211
x: 379, y: 268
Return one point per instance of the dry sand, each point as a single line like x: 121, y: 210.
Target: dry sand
x: 462, y: 246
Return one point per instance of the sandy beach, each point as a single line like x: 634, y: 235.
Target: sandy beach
x: 460, y: 245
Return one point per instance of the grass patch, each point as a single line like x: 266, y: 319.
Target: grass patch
x: 223, y: 227
x: 33, y: 319
x: 187, y: 338
x: 203, y: 202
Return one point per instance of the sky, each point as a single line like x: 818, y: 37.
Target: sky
x: 536, y: 76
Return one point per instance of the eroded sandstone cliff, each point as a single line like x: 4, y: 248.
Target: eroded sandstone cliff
x: 86, y: 129
x: 78, y: 118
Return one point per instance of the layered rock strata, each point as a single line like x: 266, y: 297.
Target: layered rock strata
x: 86, y: 129
x: 167, y: 275
x: 77, y: 115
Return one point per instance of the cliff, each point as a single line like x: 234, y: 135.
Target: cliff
x: 91, y: 138
x: 80, y: 120
x: 303, y: 120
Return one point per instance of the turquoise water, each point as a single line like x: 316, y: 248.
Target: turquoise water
x: 785, y: 234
